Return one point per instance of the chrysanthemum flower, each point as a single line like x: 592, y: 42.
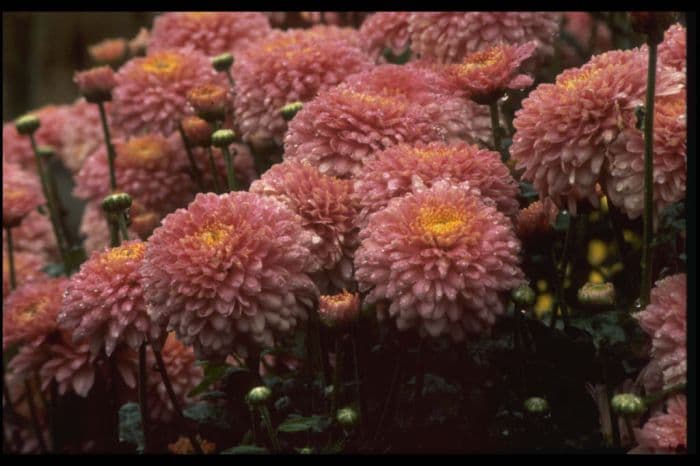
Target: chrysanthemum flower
x: 393, y: 172
x: 339, y: 309
x: 109, y: 51
x: 16, y: 148
x: 35, y: 235
x: 28, y: 267
x: 343, y: 126
x: 563, y: 129
x: 96, y: 84
x: 21, y: 194
x: 29, y: 313
x: 183, y: 373
x: 440, y: 257
x: 625, y: 180
x: 210, y: 33
x: 385, y: 29
x: 327, y: 208
x: 183, y: 446
x: 665, y: 432
x: 665, y: 320
x: 535, y: 221
x: 151, y: 91
x: 139, y: 44
x: 151, y: 168
x: 228, y: 271
x: 448, y: 37
x: 104, y: 302
x: 672, y: 51
x: 484, y: 76
x: 83, y: 135
x: 287, y: 67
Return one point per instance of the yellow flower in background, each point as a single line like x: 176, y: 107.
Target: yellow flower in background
x: 596, y: 277
x: 541, y: 285
x: 604, y: 204
x: 544, y: 304
x: 633, y: 239
x: 597, y: 252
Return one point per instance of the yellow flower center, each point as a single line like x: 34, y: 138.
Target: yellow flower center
x: 121, y: 254
x: 341, y: 298
x: 140, y: 150
x: 213, y: 235
x: 388, y: 99
x: 198, y: 14
x: 429, y: 153
x: 480, y: 60
x: 12, y: 194
x: 580, y: 79
x: 36, y: 307
x: 440, y: 220
x: 162, y: 64
x: 672, y: 106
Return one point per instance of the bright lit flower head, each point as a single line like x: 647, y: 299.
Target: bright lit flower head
x: 665, y: 432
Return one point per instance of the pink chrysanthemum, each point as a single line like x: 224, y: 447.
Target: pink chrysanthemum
x: 35, y: 235
x: 535, y: 221
x: 440, y: 257
x: 339, y: 310
x: 151, y: 92
x: 80, y: 138
x: 183, y: 373
x: 28, y: 267
x: 96, y: 84
x: 393, y: 172
x: 672, y: 51
x: 228, y: 272
x: 385, y: 29
x: 151, y: 168
x: 17, y: 148
x: 29, y: 313
x: 109, y: 51
x: 625, y: 180
x: 563, y: 129
x: 287, y: 67
x: 104, y: 302
x: 484, y: 76
x: 327, y: 208
x: 447, y: 37
x: 665, y: 432
x: 341, y: 127
x: 21, y: 194
x: 665, y: 320
x: 211, y: 33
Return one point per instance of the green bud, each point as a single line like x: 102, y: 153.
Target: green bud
x: 27, y: 124
x: 223, y: 138
x: 116, y: 203
x: 306, y: 451
x: 536, y: 405
x: 259, y: 395
x: 222, y: 62
x: 347, y: 417
x: 628, y: 404
x: 523, y: 296
x: 599, y: 294
x: 291, y: 109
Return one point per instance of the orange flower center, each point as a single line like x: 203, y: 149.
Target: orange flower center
x: 162, y: 64
x: 431, y: 152
x: 440, y: 220
x: 480, y: 60
x: 341, y: 298
x: 673, y: 106
x: 143, y: 149
x: 213, y: 235
x: 388, y: 99
x: 198, y: 14
x: 580, y: 79
x: 12, y: 194
x: 121, y: 254
x: 32, y: 309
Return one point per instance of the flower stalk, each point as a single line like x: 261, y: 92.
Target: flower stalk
x: 111, y: 153
x: 35, y: 417
x: 496, y: 129
x: 196, y: 174
x: 143, y: 398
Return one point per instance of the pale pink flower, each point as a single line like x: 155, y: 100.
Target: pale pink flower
x: 665, y: 432
x: 28, y: 267
x: 672, y: 51
x: 96, y: 84
x: 440, y: 257
x: 35, y: 235
x: 385, y: 29
x: 80, y: 138
x: 21, y: 194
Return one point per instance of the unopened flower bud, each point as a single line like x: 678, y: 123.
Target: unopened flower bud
x: 259, y: 395
x: 96, y: 84
x: 223, y: 138
x: 209, y: 101
x: 347, y: 417
x: 523, y: 296
x: 45, y: 152
x: 291, y: 109
x: 197, y: 131
x: 222, y: 62
x: 27, y: 124
x: 306, y: 451
x: 628, y: 404
x: 116, y: 203
x: 535, y: 221
x: 536, y: 405
x: 340, y: 309
x: 109, y: 52
x: 138, y: 45
x: 652, y: 23
x: 600, y: 294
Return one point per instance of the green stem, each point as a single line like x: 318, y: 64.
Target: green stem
x: 215, y: 174
x: 390, y: 396
x: 11, y: 259
x: 253, y: 424
x: 113, y: 224
x: 111, y: 153
x: 121, y: 220
x: 270, y: 431
x: 653, y: 398
x: 496, y: 130
x: 336, y: 375
x: 173, y: 398
x: 35, y: 417
x: 358, y: 383
x: 51, y: 203
x: 196, y: 174
x: 230, y: 79
x: 560, y: 277
x: 230, y: 178
x: 648, y: 179
x: 143, y: 398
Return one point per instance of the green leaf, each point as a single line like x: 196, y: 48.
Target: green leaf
x: 605, y: 328
x: 245, y: 450
x: 562, y: 221
x: 130, y: 429
x: 207, y: 413
x: 213, y: 372
x: 54, y: 270
x: 400, y: 59
x: 527, y: 191
x: 296, y: 423
x: 74, y: 257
